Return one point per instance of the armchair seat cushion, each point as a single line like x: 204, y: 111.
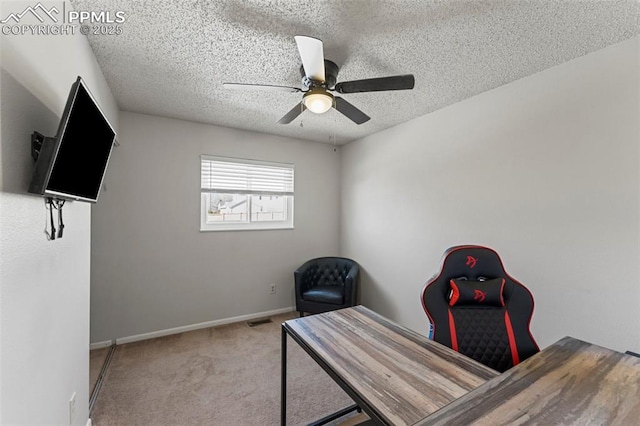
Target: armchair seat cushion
x: 325, y: 294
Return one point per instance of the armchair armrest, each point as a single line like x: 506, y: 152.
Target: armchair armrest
x: 350, y: 282
x: 299, y: 276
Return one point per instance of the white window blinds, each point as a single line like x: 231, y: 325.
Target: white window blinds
x: 226, y: 175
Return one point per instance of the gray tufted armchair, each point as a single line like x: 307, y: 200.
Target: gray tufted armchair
x: 326, y: 284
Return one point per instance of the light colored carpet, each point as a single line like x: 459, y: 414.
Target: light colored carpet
x: 227, y: 375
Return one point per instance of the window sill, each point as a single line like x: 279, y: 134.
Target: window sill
x: 247, y: 228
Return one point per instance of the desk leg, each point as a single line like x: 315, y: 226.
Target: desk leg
x: 283, y: 379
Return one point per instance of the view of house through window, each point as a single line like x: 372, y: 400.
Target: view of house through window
x: 226, y: 207
x: 242, y: 208
x: 245, y: 194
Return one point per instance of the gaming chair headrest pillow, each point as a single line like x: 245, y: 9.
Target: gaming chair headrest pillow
x: 476, y: 293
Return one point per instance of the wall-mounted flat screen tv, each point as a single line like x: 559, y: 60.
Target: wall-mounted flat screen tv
x: 72, y: 164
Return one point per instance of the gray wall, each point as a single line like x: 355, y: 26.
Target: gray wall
x: 44, y: 285
x: 545, y: 170
x: 152, y: 269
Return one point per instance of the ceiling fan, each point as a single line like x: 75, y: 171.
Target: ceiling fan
x: 319, y: 77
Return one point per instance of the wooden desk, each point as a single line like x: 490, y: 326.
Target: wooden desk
x: 570, y: 383
x: 395, y: 375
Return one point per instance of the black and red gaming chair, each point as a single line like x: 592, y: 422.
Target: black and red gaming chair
x: 477, y: 309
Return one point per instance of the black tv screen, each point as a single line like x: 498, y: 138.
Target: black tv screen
x: 72, y: 166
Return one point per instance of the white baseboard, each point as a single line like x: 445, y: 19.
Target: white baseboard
x: 198, y: 326
x: 89, y: 422
x: 100, y: 345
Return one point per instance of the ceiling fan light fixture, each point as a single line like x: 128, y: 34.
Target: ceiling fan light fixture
x: 318, y: 101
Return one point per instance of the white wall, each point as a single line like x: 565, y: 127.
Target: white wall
x: 545, y: 170
x: 152, y: 269
x: 44, y: 285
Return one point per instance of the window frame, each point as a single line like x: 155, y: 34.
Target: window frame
x: 249, y: 225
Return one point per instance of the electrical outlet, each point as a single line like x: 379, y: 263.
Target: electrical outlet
x: 272, y: 289
x: 72, y: 408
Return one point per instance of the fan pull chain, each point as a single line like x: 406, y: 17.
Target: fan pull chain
x: 301, y: 111
x: 334, y: 126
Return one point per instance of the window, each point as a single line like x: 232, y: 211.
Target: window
x: 245, y: 194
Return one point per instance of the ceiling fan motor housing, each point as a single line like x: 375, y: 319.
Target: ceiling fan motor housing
x: 330, y: 76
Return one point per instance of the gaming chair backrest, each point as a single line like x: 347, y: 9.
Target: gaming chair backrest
x: 477, y: 325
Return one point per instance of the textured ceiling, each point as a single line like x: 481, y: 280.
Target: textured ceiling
x: 173, y: 56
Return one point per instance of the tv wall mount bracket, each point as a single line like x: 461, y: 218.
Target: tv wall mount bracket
x: 37, y: 141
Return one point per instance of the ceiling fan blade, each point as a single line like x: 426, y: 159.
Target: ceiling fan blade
x: 351, y: 112
x: 266, y: 87
x: 396, y: 82
x: 291, y: 115
x: 312, y: 55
